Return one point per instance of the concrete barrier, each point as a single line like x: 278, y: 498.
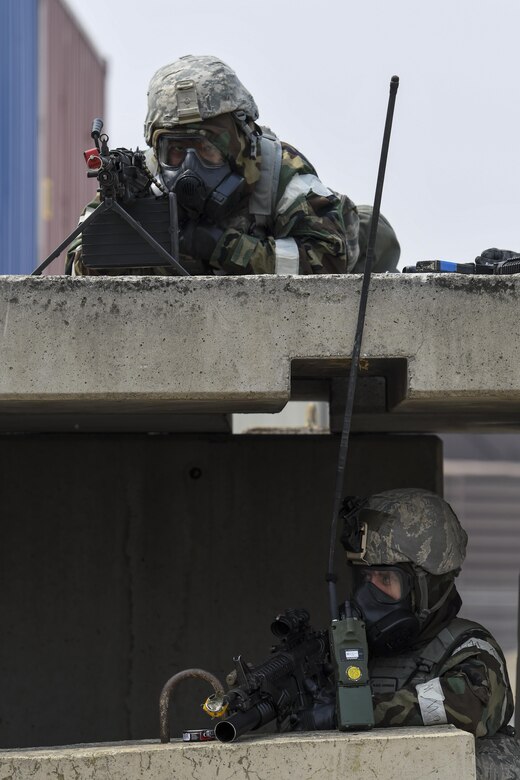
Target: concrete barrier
x: 446, y: 346
x: 386, y: 754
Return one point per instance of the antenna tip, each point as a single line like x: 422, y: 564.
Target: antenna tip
x: 394, y: 84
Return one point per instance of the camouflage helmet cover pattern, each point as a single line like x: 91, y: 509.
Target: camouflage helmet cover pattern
x: 413, y: 526
x: 193, y: 89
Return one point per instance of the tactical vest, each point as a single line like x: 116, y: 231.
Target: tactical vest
x: 497, y: 757
x: 414, y: 667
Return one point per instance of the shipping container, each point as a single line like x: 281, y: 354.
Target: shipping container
x: 18, y: 137
x: 72, y: 79
x: 53, y: 85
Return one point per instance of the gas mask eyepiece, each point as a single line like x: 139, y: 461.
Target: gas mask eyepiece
x: 172, y: 150
x: 383, y: 597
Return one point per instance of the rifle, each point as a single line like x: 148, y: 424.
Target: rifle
x: 122, y: 173
x: 287, y: 688
x: 127, y: 207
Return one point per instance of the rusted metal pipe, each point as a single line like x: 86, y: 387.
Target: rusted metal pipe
x: 164, y: 700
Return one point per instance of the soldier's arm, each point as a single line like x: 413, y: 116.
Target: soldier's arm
x: 308, y: 235
x: 472, y: 692
x: 312, y: 243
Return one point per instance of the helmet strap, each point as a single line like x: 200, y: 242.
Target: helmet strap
x: 251, y: 135
x: 422, y: 580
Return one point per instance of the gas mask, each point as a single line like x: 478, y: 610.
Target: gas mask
x: 202, y: 179
x: 383, y: 598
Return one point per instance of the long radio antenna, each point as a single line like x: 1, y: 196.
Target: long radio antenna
x: 354, y: 363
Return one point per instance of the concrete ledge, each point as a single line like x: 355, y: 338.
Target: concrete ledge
x: 386, y: 754
x: 446, y: 346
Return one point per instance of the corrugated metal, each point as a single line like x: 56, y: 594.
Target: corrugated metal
x: 18, y: 116
x: 72, y: 93
x: 488, y: 506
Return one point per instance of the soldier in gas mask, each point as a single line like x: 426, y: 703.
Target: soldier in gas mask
x: 248, y: 203
x: 427, y: 666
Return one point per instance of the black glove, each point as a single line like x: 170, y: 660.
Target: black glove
x: 320, y: 715
x: 494, y: 257
x: 199, y: 239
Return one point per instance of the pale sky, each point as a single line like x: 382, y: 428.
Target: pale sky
x: 320, y: 72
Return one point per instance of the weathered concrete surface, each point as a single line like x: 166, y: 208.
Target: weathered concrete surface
x: 386, y: 754
x: 446, y: 345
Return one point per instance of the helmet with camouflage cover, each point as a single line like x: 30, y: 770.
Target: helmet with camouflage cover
x: 194, y: 89
x: 408, y: 525
x: 413, y: 539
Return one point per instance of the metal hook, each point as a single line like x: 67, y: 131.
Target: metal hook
x: 164, y: 700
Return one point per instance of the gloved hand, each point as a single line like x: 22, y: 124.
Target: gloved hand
x: 321, y: 715
x: 199, y: 239
x: 493, y: 256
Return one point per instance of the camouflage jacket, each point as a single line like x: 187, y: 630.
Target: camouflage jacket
x: 469, y: 689
x: 324, y: 231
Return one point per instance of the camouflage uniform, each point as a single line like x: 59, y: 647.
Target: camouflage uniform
x: 455, y: 672
x: 473, y: 681
x: 323, y: 232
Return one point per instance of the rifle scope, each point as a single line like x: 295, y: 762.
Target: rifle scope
x: 289, y: 621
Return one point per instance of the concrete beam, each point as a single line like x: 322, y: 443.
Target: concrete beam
x: 445, y: 346
x: 388, y: 754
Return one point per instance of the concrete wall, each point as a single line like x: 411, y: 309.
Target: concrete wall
x: 126, y: 558
x: 385, y: 754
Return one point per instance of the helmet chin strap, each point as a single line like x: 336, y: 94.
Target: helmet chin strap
x: 241, y: 120
x: 424, y: 611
